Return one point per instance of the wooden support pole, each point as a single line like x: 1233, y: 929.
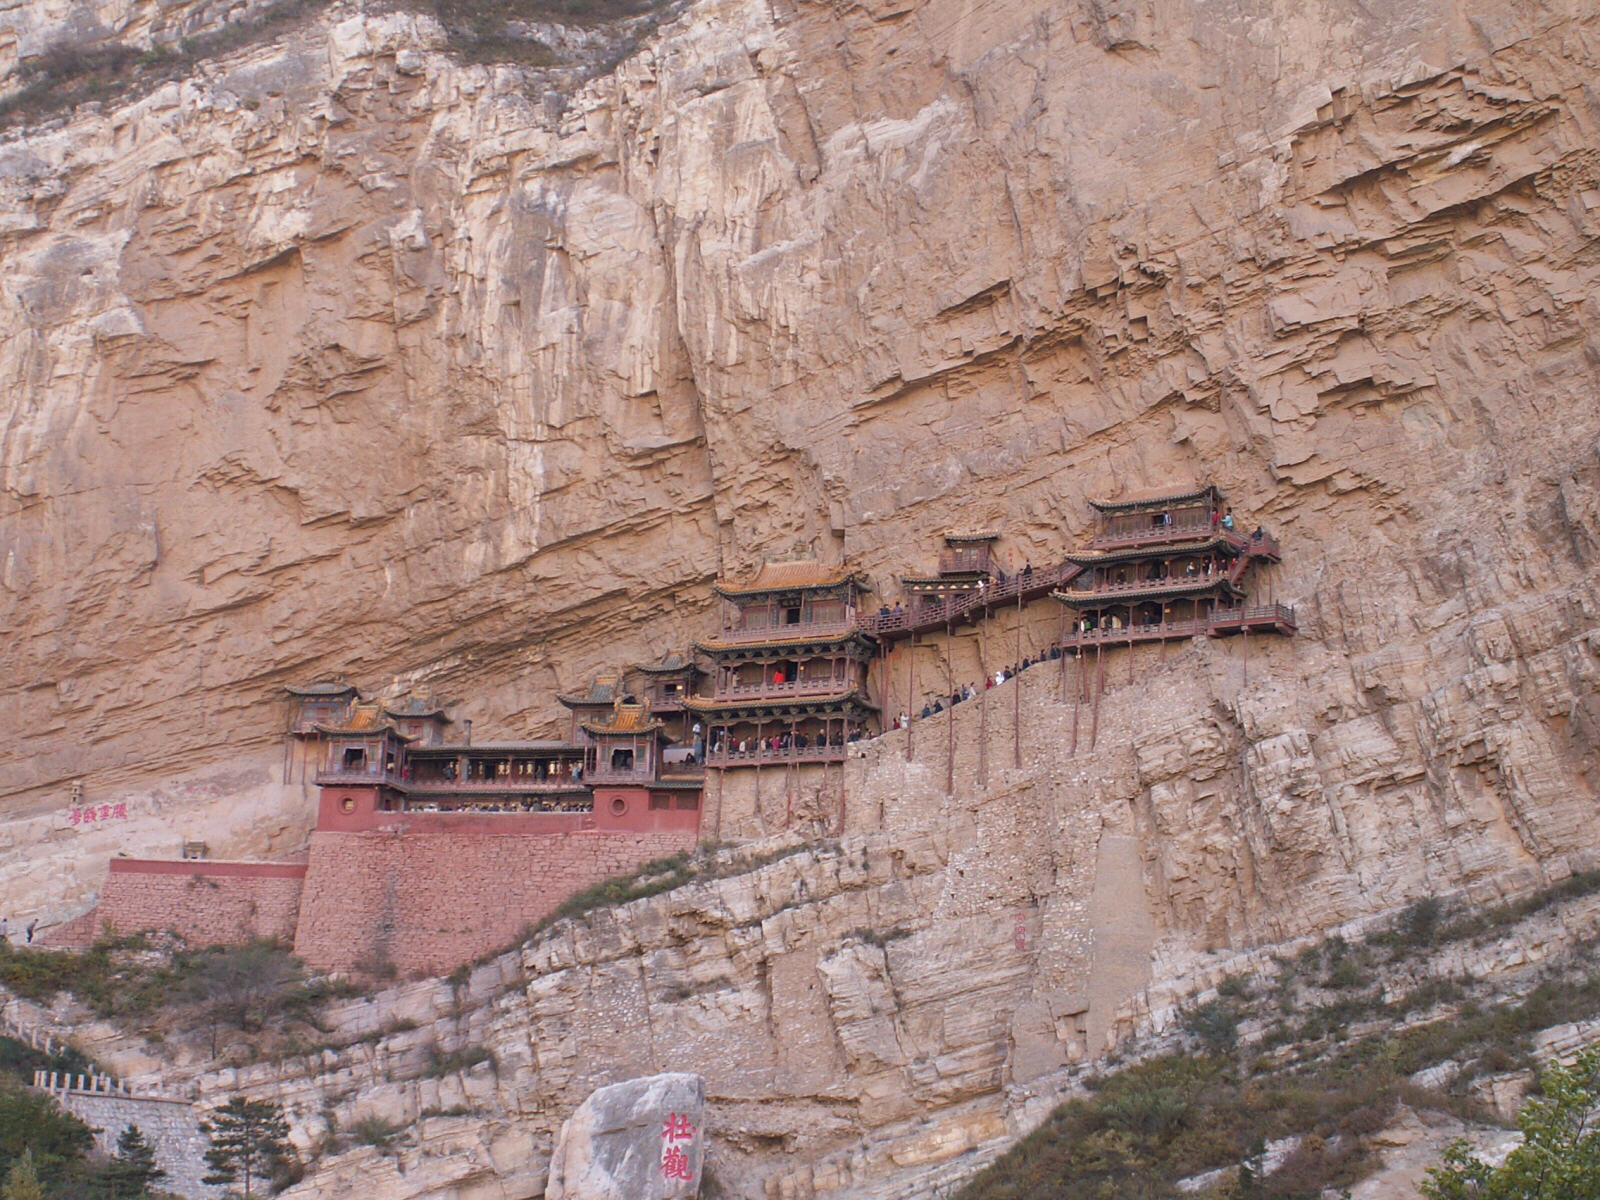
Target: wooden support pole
x: 883, y: 679
x: 983, y: 700
x: 1099, y: 687
x: 950, y: 719
x: 1077, y: 694
x: 911, y: 687
x: 1061, y: 646
x: 1016, y: 692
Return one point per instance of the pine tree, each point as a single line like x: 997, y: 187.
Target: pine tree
x: 130, y: 1174
x: 22, y: 1180
x: 249, y: 1141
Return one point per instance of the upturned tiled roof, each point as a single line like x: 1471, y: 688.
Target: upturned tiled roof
x: 788, y: 576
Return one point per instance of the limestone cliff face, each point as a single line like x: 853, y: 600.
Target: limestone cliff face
x: 343, y: 358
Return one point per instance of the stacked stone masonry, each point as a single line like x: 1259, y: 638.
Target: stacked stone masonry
x: 172, y: 1127
x: 429, y: 903
x: 202, y: 902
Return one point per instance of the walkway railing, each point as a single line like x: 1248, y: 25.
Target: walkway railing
x: 1262, y: 618
x: 356, y: 775
x: 615, y: 775
x: 780, y: 633
x: 1135, y: 586
x: 507, y: 783
x: 62, y: 1082
x: 1120, y: 539
x: 1029, y: 585
x: 776, y: 691
x: 765, y: 756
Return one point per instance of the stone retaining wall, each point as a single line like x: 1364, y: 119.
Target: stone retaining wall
x: 428, y: 903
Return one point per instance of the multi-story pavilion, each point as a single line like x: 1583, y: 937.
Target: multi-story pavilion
x: 1169, y: 564
x: 788, y: 669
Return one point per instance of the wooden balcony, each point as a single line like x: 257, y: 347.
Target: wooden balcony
x: 1134, y: 588
x: 721, y: 760
x: 1260, y: 618
x: 832, y: 686
x: 1179, y: 531
x: 367, y: 776
x: 788, y: 633
x: 619, y: 776
x: 966, y: 560
x: 519, y: 785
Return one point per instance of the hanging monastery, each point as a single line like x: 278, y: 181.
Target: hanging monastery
x: 431, y: 849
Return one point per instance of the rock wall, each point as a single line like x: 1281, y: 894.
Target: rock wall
x: 338, y: 358
x: 427, y: 903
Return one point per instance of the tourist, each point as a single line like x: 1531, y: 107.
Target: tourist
x: 1227, y: 520
x: 927, y: 711
x: 904, y: 720
x: 999, y: 678
x: 32, y: 925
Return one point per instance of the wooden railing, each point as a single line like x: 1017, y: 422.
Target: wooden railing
x: 796, y: 687
x: 957, y: 608
x: 966, y: 561
x: 764, y: 756
x: 369, y: 774
x: 509, y: 783
x: 615, y: 775
x: 1134, y: 586
x: 1178, y: 531
x: 1259, y: 618
x: 778, y: 633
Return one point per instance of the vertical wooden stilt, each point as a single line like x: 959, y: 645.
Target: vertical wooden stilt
x: 716, y: 832
x: 983, y: 700
x: 1245, y: 631
x: 1099, y: 687
x: 911, y: 687
x: 1016, y: 694
x: 1077, y: 695
x: 949, y: 717
x: 1061, y: 647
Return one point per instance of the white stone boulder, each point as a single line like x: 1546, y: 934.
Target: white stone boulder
x: 639, y: 1140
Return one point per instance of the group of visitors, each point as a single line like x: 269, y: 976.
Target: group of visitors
x: 937, y: 704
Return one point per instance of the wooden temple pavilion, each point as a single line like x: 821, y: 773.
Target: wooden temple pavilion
x: 592, y: 704
x: 1168, y: 564
x: 421, y: 719
x: 312, y: 704
x: 788, y: 669
x: 966, y: 564
x: 665, y: 686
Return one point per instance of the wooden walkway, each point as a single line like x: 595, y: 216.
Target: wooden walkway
x: 1030, y: 585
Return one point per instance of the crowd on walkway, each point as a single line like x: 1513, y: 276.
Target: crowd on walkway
x: 936, y: 704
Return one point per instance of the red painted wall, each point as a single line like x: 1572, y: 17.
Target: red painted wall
x: 427, y: 903
x: 203, y: 902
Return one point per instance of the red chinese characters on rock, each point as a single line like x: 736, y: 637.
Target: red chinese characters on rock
x: 674, y: 1160
x: 89, y: 814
